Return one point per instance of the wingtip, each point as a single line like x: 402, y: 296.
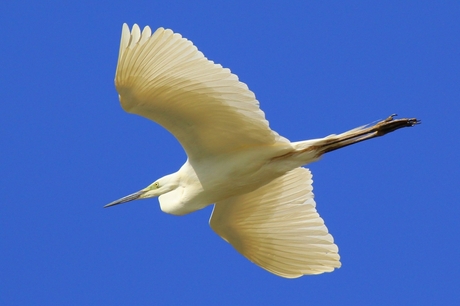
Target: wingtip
x: 125, y: 38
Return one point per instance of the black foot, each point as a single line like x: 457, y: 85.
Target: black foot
x: 390, y: 124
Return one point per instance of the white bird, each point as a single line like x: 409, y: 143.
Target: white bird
x: 262, y: 196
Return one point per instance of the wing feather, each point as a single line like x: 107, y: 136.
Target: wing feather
x: 277, y: 227
x: 163, y: 77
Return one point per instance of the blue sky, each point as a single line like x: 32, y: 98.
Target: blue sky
x: 317, y: 67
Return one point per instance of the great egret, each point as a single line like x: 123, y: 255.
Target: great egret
x: 262, y: 196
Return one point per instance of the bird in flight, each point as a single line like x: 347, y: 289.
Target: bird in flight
x: 262, y: 194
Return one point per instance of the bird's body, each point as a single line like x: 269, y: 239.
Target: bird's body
x: 263, y: 197
x: 198, y: 180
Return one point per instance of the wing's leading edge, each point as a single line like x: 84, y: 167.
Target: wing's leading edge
x: 277, y: 227
x: 163, y: 77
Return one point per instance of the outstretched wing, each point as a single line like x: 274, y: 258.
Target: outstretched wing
x: 165, y: 78
x: 277, y: 227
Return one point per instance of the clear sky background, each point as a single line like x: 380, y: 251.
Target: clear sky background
x: 317, y: 67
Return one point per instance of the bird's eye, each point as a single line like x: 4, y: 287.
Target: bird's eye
x: 157, y: 185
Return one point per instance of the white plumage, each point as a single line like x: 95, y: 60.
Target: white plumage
x: 263, y: 198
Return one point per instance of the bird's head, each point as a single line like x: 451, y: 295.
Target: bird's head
x: 157, y: 188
